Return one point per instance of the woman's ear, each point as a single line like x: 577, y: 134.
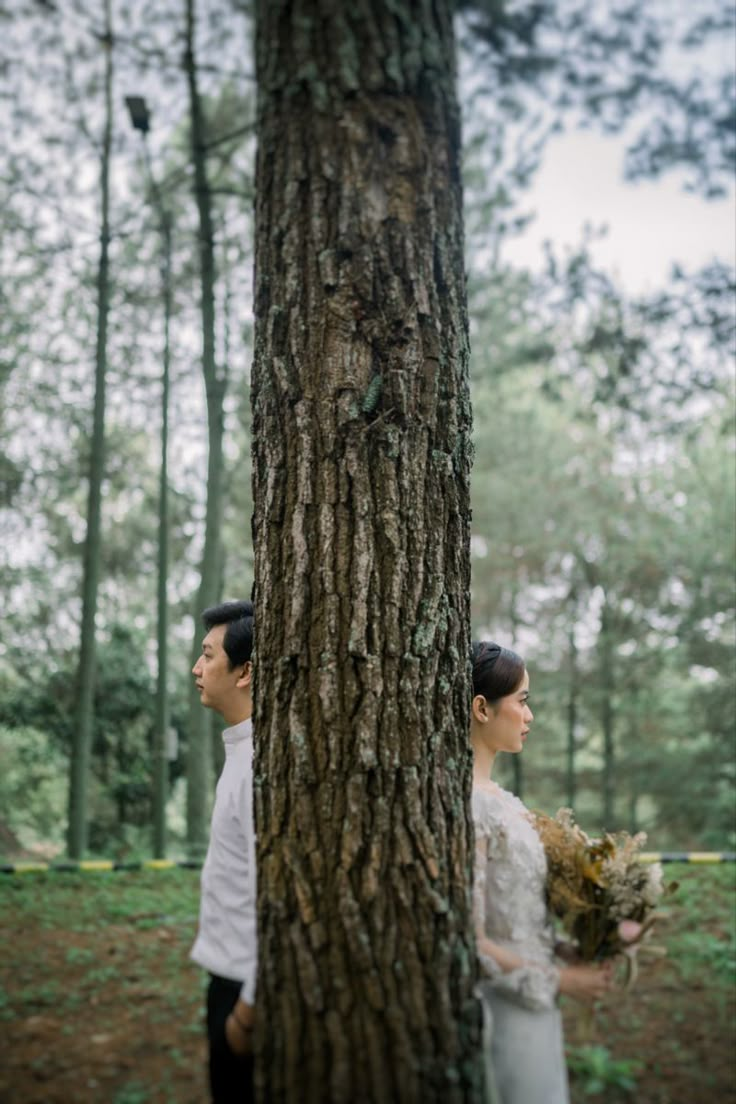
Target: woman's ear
x: 480, y: 709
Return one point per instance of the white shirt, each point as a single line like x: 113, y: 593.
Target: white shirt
x: 227, y: 941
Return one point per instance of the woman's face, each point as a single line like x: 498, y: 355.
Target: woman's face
x: 509, y: 720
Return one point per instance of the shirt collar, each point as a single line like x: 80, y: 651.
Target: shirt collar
x: 238, y: 732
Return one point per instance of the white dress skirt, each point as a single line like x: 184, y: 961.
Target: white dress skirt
x: 523, y: 1023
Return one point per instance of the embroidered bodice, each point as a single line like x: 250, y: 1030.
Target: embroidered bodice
x: 508, y: 898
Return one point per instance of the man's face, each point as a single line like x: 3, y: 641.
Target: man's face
x: 215, y: 681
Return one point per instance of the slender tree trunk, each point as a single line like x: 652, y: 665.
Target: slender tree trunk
x: 361, y: 453
x: 200, y: 728
x: 572, y: 705
x: 633, y: 800
x: 634, y: 737
x: 607, y: 717
x: 160, y: 759
x: 517, y: 765
x: 218, y: 748
x: 84, y: 713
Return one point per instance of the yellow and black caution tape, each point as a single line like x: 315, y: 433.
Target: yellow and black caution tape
x: 688, y: 856
x: 703, y: 857
x: 97, y: 865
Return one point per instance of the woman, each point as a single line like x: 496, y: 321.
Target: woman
x: 516, y: 942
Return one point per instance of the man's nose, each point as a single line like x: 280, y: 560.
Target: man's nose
x: 195, y: 668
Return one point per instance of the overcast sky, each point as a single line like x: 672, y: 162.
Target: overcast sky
x: 650, y: 223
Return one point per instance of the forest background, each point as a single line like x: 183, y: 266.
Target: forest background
x: 603, y: 483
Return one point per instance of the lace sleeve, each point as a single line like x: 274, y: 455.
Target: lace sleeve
x: 533, y: 985
x: 488, y: 965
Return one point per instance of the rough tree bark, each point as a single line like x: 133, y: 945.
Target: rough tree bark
x: 361, y: 456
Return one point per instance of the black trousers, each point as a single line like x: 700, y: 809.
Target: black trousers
x: 231, y: 1076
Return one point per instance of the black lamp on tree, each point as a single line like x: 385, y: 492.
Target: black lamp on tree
x: 139, y: 114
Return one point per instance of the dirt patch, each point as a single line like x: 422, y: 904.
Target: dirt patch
x: 679, y: 1039
x: 100, y: 1021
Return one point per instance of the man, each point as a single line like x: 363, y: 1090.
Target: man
x: 226, y: 943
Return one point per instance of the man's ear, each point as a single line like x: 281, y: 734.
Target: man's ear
x: 480, y: 709
x: 246, y: 676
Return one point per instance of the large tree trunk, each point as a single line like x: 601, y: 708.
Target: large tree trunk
x: 361, y: 530
x: 84, y: 713
x: 200, y: 720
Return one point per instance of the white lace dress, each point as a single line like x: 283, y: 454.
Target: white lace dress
x: 525, y: 1028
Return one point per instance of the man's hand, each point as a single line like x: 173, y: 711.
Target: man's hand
x: 239, y: 1028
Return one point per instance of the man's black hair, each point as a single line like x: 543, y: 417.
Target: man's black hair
x: 238, y: 640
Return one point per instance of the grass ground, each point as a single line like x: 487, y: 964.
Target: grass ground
x: 99, y: 1002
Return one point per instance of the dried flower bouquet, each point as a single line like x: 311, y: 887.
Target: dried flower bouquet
x: 602, y: 892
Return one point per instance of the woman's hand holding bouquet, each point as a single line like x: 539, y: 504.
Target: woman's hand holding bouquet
x: 602, y: 892
x: 587, y: 982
